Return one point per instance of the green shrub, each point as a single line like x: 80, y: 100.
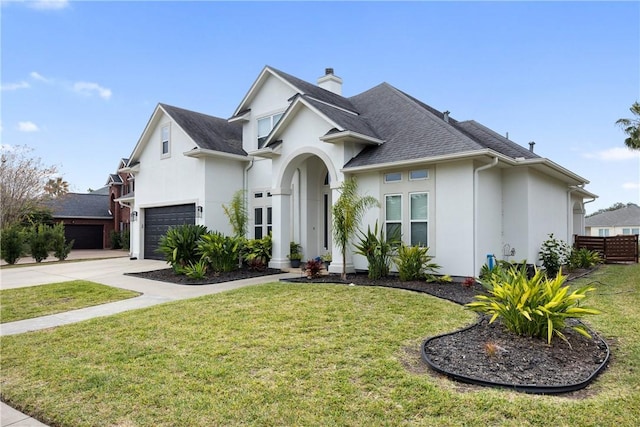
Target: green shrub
x: 414, y: 263
x: 59, y: 244
x: 116, y: 239
x: 220, y: 252
x: 500, y: 272
x: 378, y: 251
x: 196, y: 270
x: 554, y: 253
x: 257, y: 252
x: 11, y: 244
x: 179, y: 246
x: 536, y: 307
x: 125, y: 239
x: 584, y: 258
x: 39, y: 242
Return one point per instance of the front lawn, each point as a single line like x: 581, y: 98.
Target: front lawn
x: 35, y: 301
x: 299, y: 354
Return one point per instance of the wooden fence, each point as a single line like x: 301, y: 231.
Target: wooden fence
x: 611, y: 249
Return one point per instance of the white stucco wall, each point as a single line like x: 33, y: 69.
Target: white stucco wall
x: 515, y: 228
x: 222, y: 178
x: 454, y: 218
x: 489, y: 216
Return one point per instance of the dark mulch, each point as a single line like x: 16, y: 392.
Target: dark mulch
x: 167, y: 275
x: 483, y: 352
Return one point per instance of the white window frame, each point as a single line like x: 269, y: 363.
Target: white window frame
x: 166, y: 127
x: 603, y: 232
x: 426, y: 171
x: 419, y: 220
x: 273, y: 121
x: 387, y: 221
x: 265, y: 221
x: 388, y: 175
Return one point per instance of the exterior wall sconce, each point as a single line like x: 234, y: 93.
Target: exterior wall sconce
x: 199, y: 211
x: 134, y: 216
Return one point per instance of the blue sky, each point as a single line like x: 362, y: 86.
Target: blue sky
x: 81, y: 79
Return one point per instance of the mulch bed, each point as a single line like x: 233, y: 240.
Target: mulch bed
x: 481, y: 354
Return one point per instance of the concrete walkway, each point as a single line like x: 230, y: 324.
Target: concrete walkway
x: 108, y: 272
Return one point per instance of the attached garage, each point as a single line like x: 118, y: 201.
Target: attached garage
x: 85, y: 236
x: 158, y: 220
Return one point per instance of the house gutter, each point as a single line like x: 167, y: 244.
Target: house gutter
x: 476, y: 174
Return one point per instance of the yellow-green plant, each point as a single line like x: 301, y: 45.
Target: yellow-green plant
x: 536, y: 307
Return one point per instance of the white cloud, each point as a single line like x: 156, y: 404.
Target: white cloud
x: 613, y: 154
x: 87, y: 88
x: 48, y: 4
x: 37, y: 76
x: 27, y: 127
x: 15, y: 86
x: 631, y: 185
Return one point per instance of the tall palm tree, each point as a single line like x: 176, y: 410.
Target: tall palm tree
x: 56, y: 187
x: 632, y: 127
x: 347, y: 213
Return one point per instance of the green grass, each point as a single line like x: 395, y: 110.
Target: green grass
x: 35, y: 301
x: 291, y: 354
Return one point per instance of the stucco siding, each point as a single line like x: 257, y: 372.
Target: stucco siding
x: 489, y: 219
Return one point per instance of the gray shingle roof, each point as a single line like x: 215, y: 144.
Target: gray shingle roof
x: 208, y: 132
x: 316, y: 91
x: 346, y: 120
x: 77, y: 205
x: 410, y: 129
x: 627, y: 216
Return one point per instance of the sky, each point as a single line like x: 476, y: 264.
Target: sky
x: 80, y: 79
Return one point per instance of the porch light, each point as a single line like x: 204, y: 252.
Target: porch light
x: 134, y: 216
x: 199, y: 211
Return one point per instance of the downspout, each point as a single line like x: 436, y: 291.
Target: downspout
x: 476, y: 173
x: 245, y: 188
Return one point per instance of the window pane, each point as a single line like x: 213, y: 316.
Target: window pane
x: 264, y: 126
x: 269, y: 210
x: 419, y: 206
x: 257, y: 195
x: 419, y: 234
x: 394, y: 208
x: 419, y: 174
x: 258, y: 216
x: 392, y: 177
x: 393, y: 228
x: 165, y: 133
x: 276, y: 119
x: 257, y: 234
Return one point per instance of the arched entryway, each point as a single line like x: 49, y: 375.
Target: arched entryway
x: 305, y: 189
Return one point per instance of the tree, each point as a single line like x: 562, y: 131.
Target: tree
x: 56, y: 187
x: 22, y: 181
x: 347, y: 213
x: 632, y: 127
x: 237, y: 213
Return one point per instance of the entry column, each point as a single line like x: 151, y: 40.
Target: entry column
x: 281, y: 208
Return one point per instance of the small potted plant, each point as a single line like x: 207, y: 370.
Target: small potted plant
x: 326, y: 259
x: 295, y: 254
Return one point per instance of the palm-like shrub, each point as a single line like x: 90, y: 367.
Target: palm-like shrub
x: 220, y: 252
x: 584, y: 258
x: 378, y: 251
x: 414, y: 263
x: 196, y: 270
x: 536, y: 307
x: 257, y: 252
x: 179, y: 245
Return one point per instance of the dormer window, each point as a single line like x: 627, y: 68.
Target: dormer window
x: 265, y: 124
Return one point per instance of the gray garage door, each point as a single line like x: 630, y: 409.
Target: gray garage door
x: 84, y: 236
x: 158, y: 220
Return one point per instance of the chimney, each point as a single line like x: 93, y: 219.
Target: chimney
x: 445, y: 116
x: 330, y: 82
x: 531, y: 144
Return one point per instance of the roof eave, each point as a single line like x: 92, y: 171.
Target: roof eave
x: 199, y: 153
x: 350, y: 136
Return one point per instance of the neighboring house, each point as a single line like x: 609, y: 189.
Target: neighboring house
x: 86, y: 218
x: 120, y: 186
x: 459, y: 188
x: 612, y: 223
